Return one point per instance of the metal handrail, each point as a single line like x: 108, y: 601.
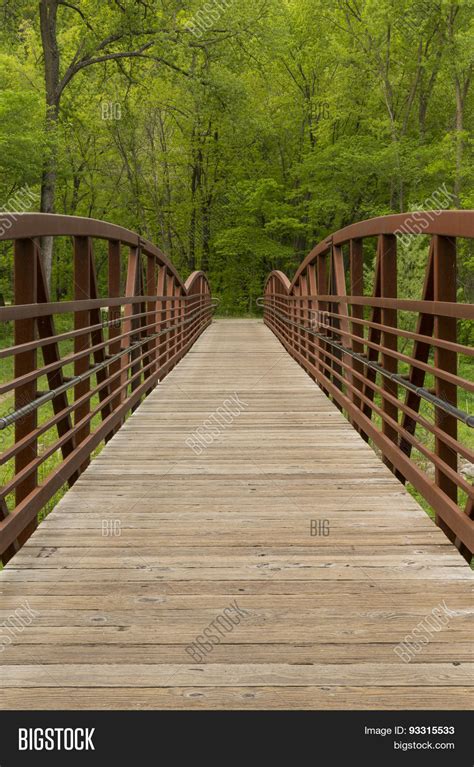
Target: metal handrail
x: 159, y: 318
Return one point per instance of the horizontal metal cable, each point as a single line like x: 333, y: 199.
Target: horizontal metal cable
x: 420, y: 391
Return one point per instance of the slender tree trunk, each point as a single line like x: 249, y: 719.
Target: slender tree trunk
x: 192, y: 240
x: 462, y: 83
x: 195, y: 186
x: 206, y: 234
x: 48, y: 24
x: 459, y: 147
x: 422, y: 112
x: 461, y: 93
x: 426, y: 89
x: 166, y: 223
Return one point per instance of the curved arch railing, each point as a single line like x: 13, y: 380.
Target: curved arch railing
x: 379, y: 372
x: 123, y: 345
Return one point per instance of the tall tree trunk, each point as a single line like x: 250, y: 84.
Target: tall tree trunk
x: 462, y: 82
x: 461, y: 93
x: 196, y: 171
x: 48, y: 24
x: 206, y: 233
x: 166, y: 229
x: 426, y: 88
x: 459, y: 143
x: 192, y: 240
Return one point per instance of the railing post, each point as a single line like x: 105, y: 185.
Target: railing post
x: 150, y: 306
x: 177, y: 318
x: 202, y: 319
x: 273, y: 302
x: 388, y: 284
x: 51, y: 355
x: 161, y: 291
x: 444, y: 283
x: 97, y: 339
x: 26, y: 291
x: 322, y: 281
x: 174, y: 317
x: 115, y: 318
x: 297, y: 334
x: 131, y: 324
x: 302, y: 316
x: 421, y: 353
x: 82, y: 292
x: 356, y: 268
x: 342, y: 323
x: 312, y: 292
x: 169, y: 314
x: 373, y: 336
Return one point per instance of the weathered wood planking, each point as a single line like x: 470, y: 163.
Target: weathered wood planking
x: 113, y: 615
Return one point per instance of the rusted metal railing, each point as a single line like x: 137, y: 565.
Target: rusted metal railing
x: 123, y: 345
x: 352, y: 346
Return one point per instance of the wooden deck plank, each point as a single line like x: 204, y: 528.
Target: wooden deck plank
x: 237, y: 674
x: 112, y: 616
x: 341, y: 652
x: 240, y: 698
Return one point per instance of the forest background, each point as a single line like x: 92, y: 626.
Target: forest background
x: 235, y: 134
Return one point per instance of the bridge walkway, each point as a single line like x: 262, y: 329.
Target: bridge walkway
x: 268, y: 560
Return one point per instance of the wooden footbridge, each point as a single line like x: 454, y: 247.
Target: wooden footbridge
x: 245, y: 538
